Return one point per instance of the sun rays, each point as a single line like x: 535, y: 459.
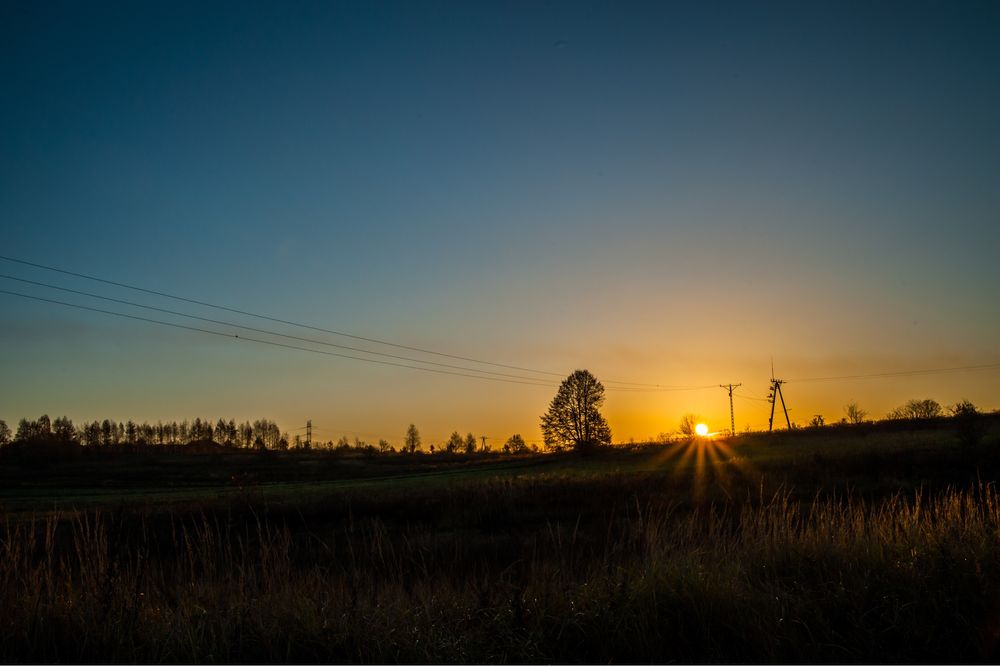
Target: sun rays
x: 711, y: 462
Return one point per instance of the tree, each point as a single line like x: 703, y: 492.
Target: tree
x: 817, y: 421
x: 917, y: 409
x: 963, y: 408
x: 454, y: 443
x: 515, y: 445
x: 412, y: 441
x: 4, y: 432
x: 44, y: 427
x: 92, y: 434
x: 246, y: 434
x: 222, y: 432
x: 470, y: 443
x: 854, y: 413
x: 688, y: 424
x: 384, y: 446
x: 574, y: 417
x: 63, y: 429
x: 25, y: 431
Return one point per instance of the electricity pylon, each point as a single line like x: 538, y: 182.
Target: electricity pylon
x: 732, y: 417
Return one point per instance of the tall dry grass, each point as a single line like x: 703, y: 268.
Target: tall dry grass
x: 910, y: 578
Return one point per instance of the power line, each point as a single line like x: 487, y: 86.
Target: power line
x: 626, y: 386
x: 261, y: 330
x: 267, y: 342
x: 750, y: 397
x: 901, y: 373
x: 317, y: 328
x: 314, y: 341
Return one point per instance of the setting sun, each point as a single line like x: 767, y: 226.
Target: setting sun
x: 701, y: 429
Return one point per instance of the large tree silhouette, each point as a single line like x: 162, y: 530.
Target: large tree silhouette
x: 573, y: 418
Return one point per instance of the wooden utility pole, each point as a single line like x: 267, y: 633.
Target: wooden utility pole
x: 732, y: 416
x: 309, y: 434
x: 484, y: 438
x: 776, y: 393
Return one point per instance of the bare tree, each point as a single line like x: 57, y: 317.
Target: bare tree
x: 688, y: 424
x: 917, y: 409
x: 412, y: 441
x: 854, y: 413
x: 963, y: 408
x: 574, y: 417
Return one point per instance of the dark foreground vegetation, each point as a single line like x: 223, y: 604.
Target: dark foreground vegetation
x: 855, y: 544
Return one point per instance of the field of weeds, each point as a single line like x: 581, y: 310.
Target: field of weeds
x: 796, y: 548
x: 904, y: 578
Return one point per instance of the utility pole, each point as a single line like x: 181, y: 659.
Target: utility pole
x: 732, y: 416
x: 484, y: 438
x: 776, y: 393
x: 309, y: 434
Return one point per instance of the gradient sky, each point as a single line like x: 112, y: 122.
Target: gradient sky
x: 659, y: 192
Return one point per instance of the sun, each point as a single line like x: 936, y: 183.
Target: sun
x: 701, y: 429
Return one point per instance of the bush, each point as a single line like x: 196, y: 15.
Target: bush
x: 969, y: 426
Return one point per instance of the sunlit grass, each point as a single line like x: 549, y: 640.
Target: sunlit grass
x: 706, y: 462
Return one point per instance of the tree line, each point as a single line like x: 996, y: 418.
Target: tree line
x: 413, y: 443
x: 259, y: 434
x: 262, y: 434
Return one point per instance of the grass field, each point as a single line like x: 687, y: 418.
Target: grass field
x: 849, y: 544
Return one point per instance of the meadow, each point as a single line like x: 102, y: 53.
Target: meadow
x: 870, y: 543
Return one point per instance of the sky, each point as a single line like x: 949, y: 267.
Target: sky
x: 662, y: 193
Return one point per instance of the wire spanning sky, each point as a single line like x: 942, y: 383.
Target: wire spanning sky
x: 663, y: 193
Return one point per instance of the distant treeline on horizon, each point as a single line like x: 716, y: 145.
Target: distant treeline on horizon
x: 265, y: 435
x: 260, y: 435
